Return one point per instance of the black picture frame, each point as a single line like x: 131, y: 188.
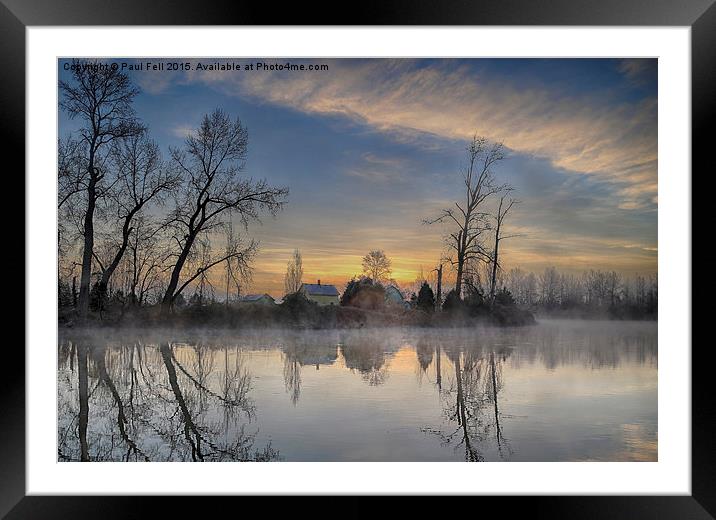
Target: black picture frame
x: 700, y: 15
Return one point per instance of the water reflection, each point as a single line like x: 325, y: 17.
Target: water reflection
x: 539, y: 393
x: 139, y: 402
x: 367, y: 354
x: 471, y: 402
x: 301, y: 350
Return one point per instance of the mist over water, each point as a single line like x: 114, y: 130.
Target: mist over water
x: 557, y: 391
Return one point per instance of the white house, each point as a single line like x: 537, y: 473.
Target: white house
x: 319, y: 293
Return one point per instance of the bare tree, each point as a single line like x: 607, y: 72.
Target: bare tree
x: 613, y: 283
x: 294, y: 273
x: 549, y: 281
x: 145, y: 259
x: 70, y: 176
x: 140, y: 179
x: 210, y: 163
x: 101, y: 97
x: 470, y: 221
x: 234, y: 273
x: 376, y: 265
x: 503, y: 209
x: 200, y: 256
x: 71, y: 170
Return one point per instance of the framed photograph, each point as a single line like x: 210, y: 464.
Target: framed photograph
x: 400, y: 257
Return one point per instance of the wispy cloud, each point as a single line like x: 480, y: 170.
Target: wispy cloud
x: 182, y: 131
x: 375, y: 169
x: 638, y: 70
x: 589, y: 134
x: 156, y: 82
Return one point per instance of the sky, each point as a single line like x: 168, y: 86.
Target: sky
x: 371, y: 147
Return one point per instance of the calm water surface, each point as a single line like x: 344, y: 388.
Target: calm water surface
x: 558, y: 391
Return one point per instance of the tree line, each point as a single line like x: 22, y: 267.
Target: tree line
x: 596, y: 293
x: 138, y: 223
x: 593, y: 291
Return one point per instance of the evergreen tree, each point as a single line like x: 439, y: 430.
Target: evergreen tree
x: 453, y: 302
x: 426, y: 298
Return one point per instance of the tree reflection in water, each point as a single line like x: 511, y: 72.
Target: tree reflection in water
x: 470, y: 400
x: 366, y: 353
x: 194, y: 401
x: 119, y: 408
x: 300, y: 350
x: 424, y: 351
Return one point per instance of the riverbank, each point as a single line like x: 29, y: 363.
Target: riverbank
x: 591, y: 314
x: 304, y: 315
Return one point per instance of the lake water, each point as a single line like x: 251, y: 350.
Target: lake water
x: 557, y: 391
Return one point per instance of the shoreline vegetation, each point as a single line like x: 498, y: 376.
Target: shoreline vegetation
x: 303, y: 316
x: 361, y: 306
x: 299, y: 313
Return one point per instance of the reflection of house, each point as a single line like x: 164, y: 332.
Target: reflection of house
x: 261, y: 299
x: 321, y: 294
x: 317, y: 355
x: 393, y: 295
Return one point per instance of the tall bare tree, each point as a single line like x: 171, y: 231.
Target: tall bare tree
x: 504, y: 207
x: 236, y: 274
x: 101, y: 97
x: 376, y: 265
x: 210, y: 163
x: 201, y: 256
x: 469, y: 218
x: 71, y: 170
x: 145, y: 259
x: 549, y: 282
x: 139, y: 179
x: 294, y: 273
